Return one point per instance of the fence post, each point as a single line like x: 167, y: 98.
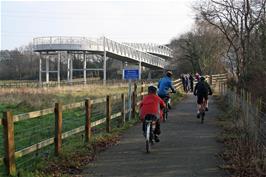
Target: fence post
x: 88, y: 110
x: 259, y: 106
x: 123, y: 117
x: 134, y: 100
x: 210, y: 78
x: 135, y: 87
x: 58, y: 127
x: 219, y: 85
x: 108, y: 114
x: 9, y: 143
x: 142, y: 90
x: 133, y: 105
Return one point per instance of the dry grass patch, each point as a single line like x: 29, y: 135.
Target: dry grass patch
x: 38, y: 98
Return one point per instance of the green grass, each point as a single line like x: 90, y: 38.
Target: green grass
x: 75, y: 148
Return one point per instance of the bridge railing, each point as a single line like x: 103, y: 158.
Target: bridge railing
x: 65, y: 42
x: 152, y: 48
x: 133, y: 53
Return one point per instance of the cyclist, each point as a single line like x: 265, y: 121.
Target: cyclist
x: 151, y: 107
x: 197, y: 77
x: 164, y: 85
x: 202, y: 90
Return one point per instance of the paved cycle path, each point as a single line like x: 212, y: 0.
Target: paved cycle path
x: 187, y: 148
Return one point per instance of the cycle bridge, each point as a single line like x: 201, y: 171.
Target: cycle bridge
x: 148, y: 55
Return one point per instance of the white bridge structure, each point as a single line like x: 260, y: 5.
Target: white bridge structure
x: 148, y: 55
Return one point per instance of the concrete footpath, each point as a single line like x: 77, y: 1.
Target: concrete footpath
x: 187, y: 148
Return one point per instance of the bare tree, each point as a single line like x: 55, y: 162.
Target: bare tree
x: 237, y: 20
x: 202, y: 49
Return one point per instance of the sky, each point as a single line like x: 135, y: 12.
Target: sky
x: 144, y: 21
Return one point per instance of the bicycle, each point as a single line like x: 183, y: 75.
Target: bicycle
x: 167, y: 101
x: 150, y: 124
x: 166, y: 109
x: 202, y: 110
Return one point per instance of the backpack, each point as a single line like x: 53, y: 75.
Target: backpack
x: 202, y: 89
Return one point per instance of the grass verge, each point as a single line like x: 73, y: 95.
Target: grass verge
x: 82, y: 152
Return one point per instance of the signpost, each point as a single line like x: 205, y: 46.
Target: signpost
x: 130, y: 74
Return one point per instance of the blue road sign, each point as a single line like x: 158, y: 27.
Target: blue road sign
x: 131, y: 74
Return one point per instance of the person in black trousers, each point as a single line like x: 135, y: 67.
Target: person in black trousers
x: 191, y: 79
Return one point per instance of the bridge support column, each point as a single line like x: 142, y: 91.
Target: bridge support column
x: 71, y: 69
x: 122, y: 69
x: 68, y: 67
x: 58, y: 68
x: 47, y: 69
x: 104, y: 61
x: 84, y: 68
x: 149, y: 75
x: 140, y: 70
x: 40, y: 70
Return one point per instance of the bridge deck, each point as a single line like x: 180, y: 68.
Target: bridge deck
x: 187, y: 148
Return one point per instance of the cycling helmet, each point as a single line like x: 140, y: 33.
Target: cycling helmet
x: 202, y: 78
x: 152, y: 89
x: 169, y: 73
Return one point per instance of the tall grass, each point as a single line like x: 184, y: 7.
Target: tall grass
x: 29, y: 99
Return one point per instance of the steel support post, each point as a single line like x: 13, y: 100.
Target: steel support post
x: 71, y: 68
x: 47, y: 69
x: 58, y: 68
x: 149, y: 75
x: 40, y: 69
x: 84, y: 68
x: 68, y: 67
x: 123, y: 67
x: 140, y: 70
x: 104, y: 61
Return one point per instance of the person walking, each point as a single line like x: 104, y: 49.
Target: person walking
x: 191, y: 79
x: 183, y: 82
x: 186, y: 83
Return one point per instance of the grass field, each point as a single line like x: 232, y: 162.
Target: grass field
x: 21, y: 100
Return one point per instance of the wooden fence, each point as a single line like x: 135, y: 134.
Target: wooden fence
x: 8, y: 120
x: 249, y: 116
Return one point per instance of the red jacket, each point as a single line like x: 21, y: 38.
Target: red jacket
x: 151, y: 104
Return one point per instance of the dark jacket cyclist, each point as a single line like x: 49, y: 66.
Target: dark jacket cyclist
x: 202, y: 90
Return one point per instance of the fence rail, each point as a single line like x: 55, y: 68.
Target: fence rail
x: 96, y: 112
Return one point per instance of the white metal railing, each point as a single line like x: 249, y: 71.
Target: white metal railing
x: 135, y: 54
x: 152, y: 48
x: 97, y: 44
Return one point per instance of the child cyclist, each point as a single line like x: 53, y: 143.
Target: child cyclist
x: 151, y: 108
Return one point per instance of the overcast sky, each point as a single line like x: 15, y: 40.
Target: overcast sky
x: 147, y: 21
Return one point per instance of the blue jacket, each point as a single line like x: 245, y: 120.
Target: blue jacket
x: 164, y: 85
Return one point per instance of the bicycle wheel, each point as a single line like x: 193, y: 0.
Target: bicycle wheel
x: 148, y: 148
x: 202, y: 117
x: 165, y: 115
x: 148, y: 131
